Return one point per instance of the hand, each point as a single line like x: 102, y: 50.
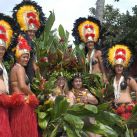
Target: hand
x: 84, y: 99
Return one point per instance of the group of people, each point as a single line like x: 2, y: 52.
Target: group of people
x: 17, y: 100
x: 119, y: 58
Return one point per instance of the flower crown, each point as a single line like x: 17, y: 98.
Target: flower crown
x: 86, y: 30
x: 22, y: 47
x: 29, y: 16
x: 6, y: 30
x: 119, y: 54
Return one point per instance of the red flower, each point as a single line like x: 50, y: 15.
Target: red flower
x: 17, y: 99
x: 121, y: 109
x: 126, y: 116
x: 129, y: 108
x: 33, y: 101
x: 44, y: 59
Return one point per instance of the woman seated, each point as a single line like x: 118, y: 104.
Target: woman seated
x: 61, y: 88
x: 119, y: 57
x: 79, y: 94
x: 23, y: 119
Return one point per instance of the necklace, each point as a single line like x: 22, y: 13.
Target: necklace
x: 117, y: 87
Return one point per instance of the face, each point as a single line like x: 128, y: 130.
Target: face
x: 2, y: 52
x: 77, y: 83
x: 23, y: 59
x: 90, y: 45
x: 61, y: 82
x: 31, y: 33
x: 118, y: 69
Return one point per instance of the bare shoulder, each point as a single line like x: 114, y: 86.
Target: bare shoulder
x: 98, y: 52
x: 131, y: 81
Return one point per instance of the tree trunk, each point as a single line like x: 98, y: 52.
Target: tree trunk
x: 100, y: 9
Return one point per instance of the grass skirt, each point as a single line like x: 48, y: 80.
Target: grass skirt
x: 4, y: 116
x: 23, y: 118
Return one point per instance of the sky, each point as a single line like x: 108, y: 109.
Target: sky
x: 67, y: 11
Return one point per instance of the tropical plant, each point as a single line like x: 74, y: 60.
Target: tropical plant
x: 59, y: 117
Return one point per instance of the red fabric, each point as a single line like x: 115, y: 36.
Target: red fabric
x: 34, y: 21
x: 3, y: 37
x: 4, y: 123
x: 120, y: 56
x: 5, y: 100
x: 121, y: 50
x: 31, y: 14
x: 4, y: 117
x: 23, y: 118
x: 23, y: 44
x: 17, y: 99
x: 2, y: 29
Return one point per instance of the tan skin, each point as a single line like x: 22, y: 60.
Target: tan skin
x: 86, y: 97
x: 18, y: 76
x: 125, y: 96
x: 2, y: 85
x: 98, y: 67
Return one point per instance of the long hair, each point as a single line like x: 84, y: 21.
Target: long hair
x: 65, y: 87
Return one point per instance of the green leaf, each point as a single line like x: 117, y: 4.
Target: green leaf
x: 60, y: 106
x: 91, y: 108
x: 49, y: 25
x: 74, y: 121
x: 61, y: 32
x: 69, y: 130
x: 102, y: 129
x: 43, y: 123
x: 109, y: 118
x: 103, y: 106
x: 54, y: 132
x: 41, y: 115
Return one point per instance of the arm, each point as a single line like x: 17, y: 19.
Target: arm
x: 132, y: 84
x: 92, y: 99
x: 71, y: 98
x: 21, y: 81
x: 88, y: 97
x: 99, y: 56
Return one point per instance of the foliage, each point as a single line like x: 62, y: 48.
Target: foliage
x: 57, y: 117
x: 60, y: 117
